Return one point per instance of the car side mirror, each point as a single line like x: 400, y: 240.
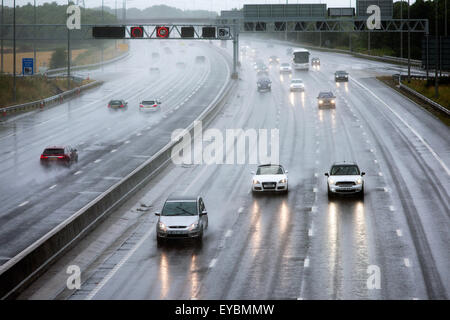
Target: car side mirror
x: 252, y: 172
x: 157, y: 214
x: 327, y: 174
x: 286, y: 171
x: 204, y: 213
x: 363, y: 173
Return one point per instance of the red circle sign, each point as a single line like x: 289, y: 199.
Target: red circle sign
x: 162, y: 32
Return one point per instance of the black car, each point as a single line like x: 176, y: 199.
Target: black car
x: 315, y: 62
x: 341, y: 76
x: 264, y: 84
x: 65, y: 155
x: 326, y: 99
x: 274, y: 59
x: 118, y: 105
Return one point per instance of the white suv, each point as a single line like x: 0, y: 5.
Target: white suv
x: 345, y: 178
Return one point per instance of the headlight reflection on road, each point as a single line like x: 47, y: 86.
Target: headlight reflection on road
x: 195, y: 283
x: 332, y: 237
x: 292, y: 98
x: 321, y: 115
x: 164, y: 274
x: 284, y: 217
x: 360, y: 233
x: 346, y: 87
x: 256, y: 223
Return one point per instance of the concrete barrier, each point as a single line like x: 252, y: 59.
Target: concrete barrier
x: 17, y: 273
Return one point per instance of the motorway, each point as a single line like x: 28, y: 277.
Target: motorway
x: 110, y: 144
x: 298, y: 246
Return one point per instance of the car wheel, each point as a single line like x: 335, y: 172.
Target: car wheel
x: 160, y: 241
x: 330, y: 194
x: 361, y: 193
x: 200, y: 238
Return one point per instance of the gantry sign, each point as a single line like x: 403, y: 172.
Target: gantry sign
x: 168, y: 31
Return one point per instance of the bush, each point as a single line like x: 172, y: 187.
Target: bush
x: 58, y: 59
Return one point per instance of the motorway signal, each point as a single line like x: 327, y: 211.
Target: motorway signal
x: 162, y: 32
x: 187, y: 32
x: 109, y: 32
x: 137, y: 32
x: 208, y: 32
x: 223, y: 33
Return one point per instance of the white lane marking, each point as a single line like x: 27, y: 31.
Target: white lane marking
x: 77, y: 173
x: 391, y: 208
x: 306, y: 263
x: 113, y: 150
x: 407, y: 262
x: 408, y: 126
x: 112, y: 178
x: 314, y: 189
x: 90, y: 192
x: 399, y: 233
x: 316, y: 175
x: 241, y: 209
x: 310, y: 232
x: 127, y: 142
x: 53, y: 187
x: 371, y: 150
x: 380, y: 174
x: 314, y: 209
x: 229, y: 233
x: 24, y: 203
x: 385, y: 189
x: 139, y: 134
x: 299, y: 298
x: 212, y: 263
x: 117, y: 267
x: 140, y: 156
x: 98, y: 160
x: 376, y: 161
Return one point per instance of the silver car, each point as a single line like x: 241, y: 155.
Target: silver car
x: 182, y: 217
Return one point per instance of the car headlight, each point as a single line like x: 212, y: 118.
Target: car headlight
x: 162, y: 226
x: 282, y: 181
x: 359, y: 181
x: 332, y: 101
x: 255, y: 181
x: 193, y: 226
x: 331, y: 181
x: 320, y: 101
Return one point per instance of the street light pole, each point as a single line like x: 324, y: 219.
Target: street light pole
x: 285, y: 21
x: 1, y: 67
x: 409, y: 50
x: 401, y: 33
x: 68, y: 55
x: 436, y: 24
x: 14, y: 50
x: 34, y: 40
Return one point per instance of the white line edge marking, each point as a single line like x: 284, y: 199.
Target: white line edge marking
x: 24, y: 203
x: 306, y: 263
x: 408, y: 126
x: 77, y: 173
x: 407, y: 262
x: 53, y: 187
x: 399, y: 232
x: 117, y: 267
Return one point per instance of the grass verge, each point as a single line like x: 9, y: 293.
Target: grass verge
x: 30, y: 89
x: 388, y: 80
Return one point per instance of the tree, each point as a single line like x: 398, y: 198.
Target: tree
x: 59, y: 58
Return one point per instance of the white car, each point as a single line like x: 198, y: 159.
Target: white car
x: 150, y: 105
x: 270, y: 177
x: 285, y: 67
x: 345, y: 179
x: 297, y: 85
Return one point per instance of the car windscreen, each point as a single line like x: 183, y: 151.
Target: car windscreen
x: 269, y: 170
x: 53, y: 151
x: 285, y: 64
x: 344, y: 170
x: 180, y: 208
x: 325, y: 95
x: 116, y: 102
x: 297, y: 81
x: 149, y: 102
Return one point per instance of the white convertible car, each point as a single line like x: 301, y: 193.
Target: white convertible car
x: 270, y: 177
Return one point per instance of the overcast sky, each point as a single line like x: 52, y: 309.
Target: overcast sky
x: 213, y: 5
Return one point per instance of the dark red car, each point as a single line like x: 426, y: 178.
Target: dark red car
x: 59, y: 155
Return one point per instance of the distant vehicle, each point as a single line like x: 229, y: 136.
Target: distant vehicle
x: 270, y: 45
x: 118, y: 104
x: 261, y: 67
x: 155, y: 55
x: 262, y: 73
x: 150, y: 105
x: 285, y: 67
x: 181, y: 65
x: 326, y: 99
x: 167, y: 50
x: 274, y: 59
x: 345, y: 179
x: 341, y: 76
x: 154, y: 70
x: 300, y: 59
x: 315, y: 62
x: 270, y: 177
x: 297, y: 85
x: 200, y: 59
x: 264, y: 84
x: 65, y: 155
x: 289, y: 51
x: 182, y: 217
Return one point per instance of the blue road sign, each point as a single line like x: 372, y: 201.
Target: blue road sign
x: 27, y: 66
